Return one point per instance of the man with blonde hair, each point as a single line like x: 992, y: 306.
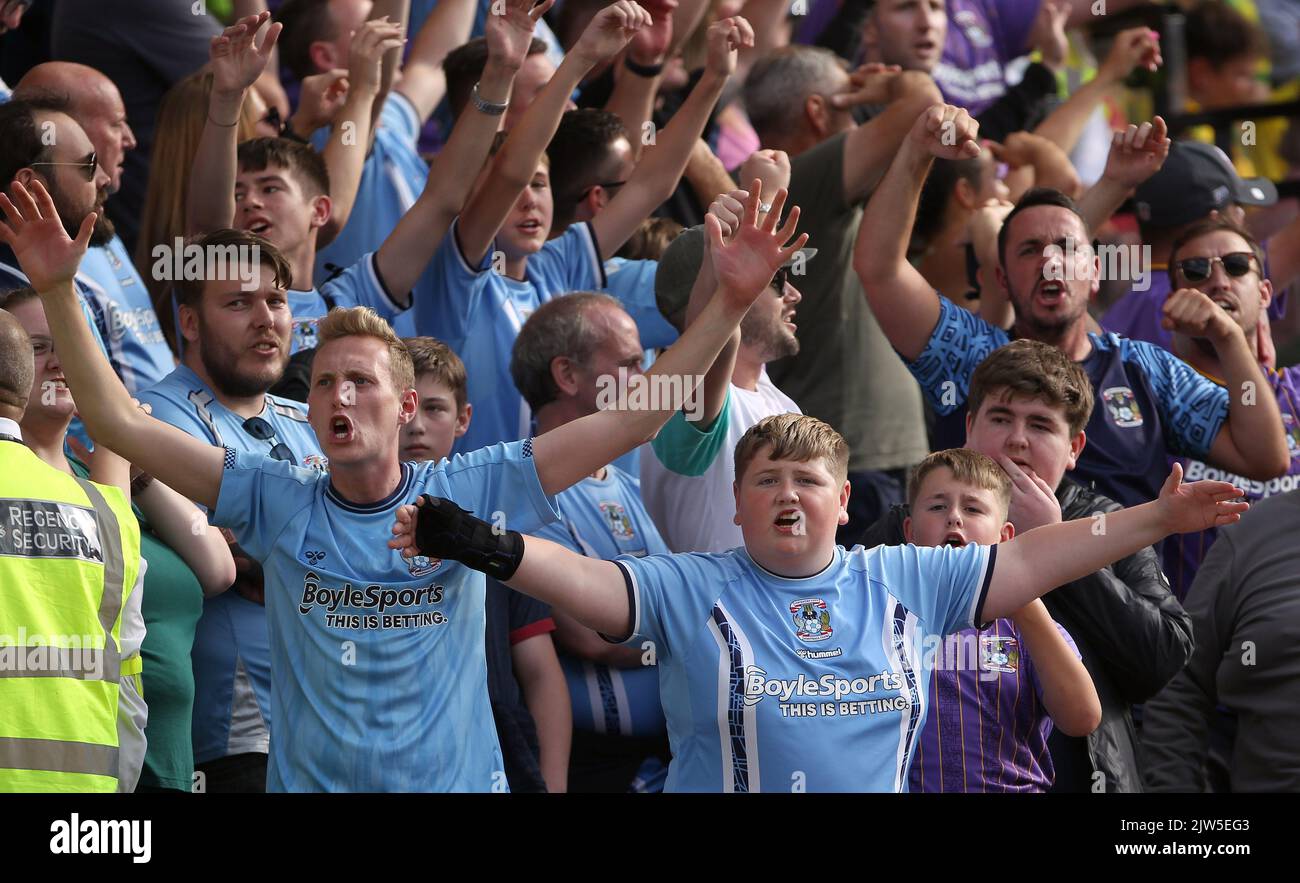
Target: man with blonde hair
x: 378, y: 672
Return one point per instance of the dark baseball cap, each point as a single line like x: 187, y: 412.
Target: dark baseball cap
x: 680, y: 264
x: 1195, y: 180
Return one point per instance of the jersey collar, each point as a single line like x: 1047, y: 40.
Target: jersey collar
x: 403, y: 488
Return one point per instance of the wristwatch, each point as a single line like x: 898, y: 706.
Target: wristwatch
x: 490, y: 108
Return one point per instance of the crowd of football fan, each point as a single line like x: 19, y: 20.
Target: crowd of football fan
x: 516, y: 210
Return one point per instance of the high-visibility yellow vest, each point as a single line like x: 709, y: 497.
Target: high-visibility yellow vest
x: 69, y: 558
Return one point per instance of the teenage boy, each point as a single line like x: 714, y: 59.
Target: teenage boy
x: 361, y: 684
x: 1029, y: 404
x: 996, y: 692
x: 753, y: 695
x: 526, y: 686
x: 281, y: 190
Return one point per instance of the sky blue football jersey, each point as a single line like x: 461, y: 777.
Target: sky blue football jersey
x: 379, y: 674
x: 813, y: 684
x: 391, y: 181
x: 232, y: 653
x: 358, y: 286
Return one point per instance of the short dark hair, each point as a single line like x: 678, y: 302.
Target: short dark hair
x: 464, y: 67
x: 1219, y: 34
x: 939, y: 185
x: 15, y: 296
x: 189, y: 292
x: 257, y: 154
x: 20, y: 138
x: 1204, y: 227
x: 581, y: 156
x: 1032, y: 198
x: 559, y: 327
x: 305, y: 22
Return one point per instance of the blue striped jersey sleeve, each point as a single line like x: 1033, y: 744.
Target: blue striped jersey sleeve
x: 1192, y: 408
x: 959, y: 342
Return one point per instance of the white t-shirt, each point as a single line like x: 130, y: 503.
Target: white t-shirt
x: 687, y: 484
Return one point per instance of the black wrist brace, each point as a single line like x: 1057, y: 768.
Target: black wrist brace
x: 444, y: 530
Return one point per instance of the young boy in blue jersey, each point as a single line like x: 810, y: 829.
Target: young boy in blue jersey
x: 443, y: 411
x: 281, y: 190
x: 792, y: 663
x: 495, y: 265
x: 995, y: 692
x: 377, y: 660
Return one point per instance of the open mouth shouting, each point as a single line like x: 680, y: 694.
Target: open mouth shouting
x: 260, y: 226
x: 530, y: 227
x: 790, y: 521
x: 955, y: 539
x: 341, y: 429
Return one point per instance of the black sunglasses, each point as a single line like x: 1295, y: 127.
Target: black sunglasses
x: 263, y: 431
x: 88, y: 166
x: 1197, y: 270
x: 779, y: 278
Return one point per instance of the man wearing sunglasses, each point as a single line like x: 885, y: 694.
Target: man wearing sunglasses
x: 69, y: 169
x: 1215, y: 272
x: 124, y: 312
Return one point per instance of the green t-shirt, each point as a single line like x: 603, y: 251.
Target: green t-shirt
x: 173, y: 601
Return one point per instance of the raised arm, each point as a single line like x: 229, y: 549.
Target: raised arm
x: 409, y: 248
x: 1251, y: 441
x: 633, y: 96
x: 50, y: 259
x: 352, y: 132
x: 516, y: 163
x: 906, y: 306
x: 1136, y: 154
x: 1041, y: 162
x: 396, y: 12
x: 237, y: 60
x: 870, y: 146
x: 1039, y: 560
x: 423, y: 82
x: 744, y: 267
x: 661, y: 166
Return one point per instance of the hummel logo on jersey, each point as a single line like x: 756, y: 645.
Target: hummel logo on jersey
x: 315, y: 557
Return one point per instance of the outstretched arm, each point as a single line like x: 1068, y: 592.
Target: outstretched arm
x: 423, y: 82
x: 1039, y: 560
x: 744, y: 267
x: 516, y: 164
x: 237, y: 60
x: 661, y: 167
x: 411, y: 245
x: 907, y: 306
x: 588, y: 589
x: 50, y: 260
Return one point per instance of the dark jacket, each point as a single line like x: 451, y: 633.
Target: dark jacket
x: 1130, y: 630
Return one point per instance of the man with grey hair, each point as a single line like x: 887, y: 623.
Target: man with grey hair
x: 575, y: 355
x: 845, y: 373
x: 118, y: 296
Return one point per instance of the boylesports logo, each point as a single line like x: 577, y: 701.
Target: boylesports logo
x: 812, y: 620
x: 372, y: 597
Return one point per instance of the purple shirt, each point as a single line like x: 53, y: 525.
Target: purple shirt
x: 987, y: 728
x: 983, y: 36
x: 1183, y: 553
x: 1137, y: 314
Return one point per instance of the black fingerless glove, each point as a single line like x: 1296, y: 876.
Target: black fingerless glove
x: 444, y: 530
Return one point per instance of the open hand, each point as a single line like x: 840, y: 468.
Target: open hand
x: 236, y: 58
x: 1198, y: 505
x: 744, y: 266
x: 33, y: 230
x: 510, y: 33
x: 366, y: 53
